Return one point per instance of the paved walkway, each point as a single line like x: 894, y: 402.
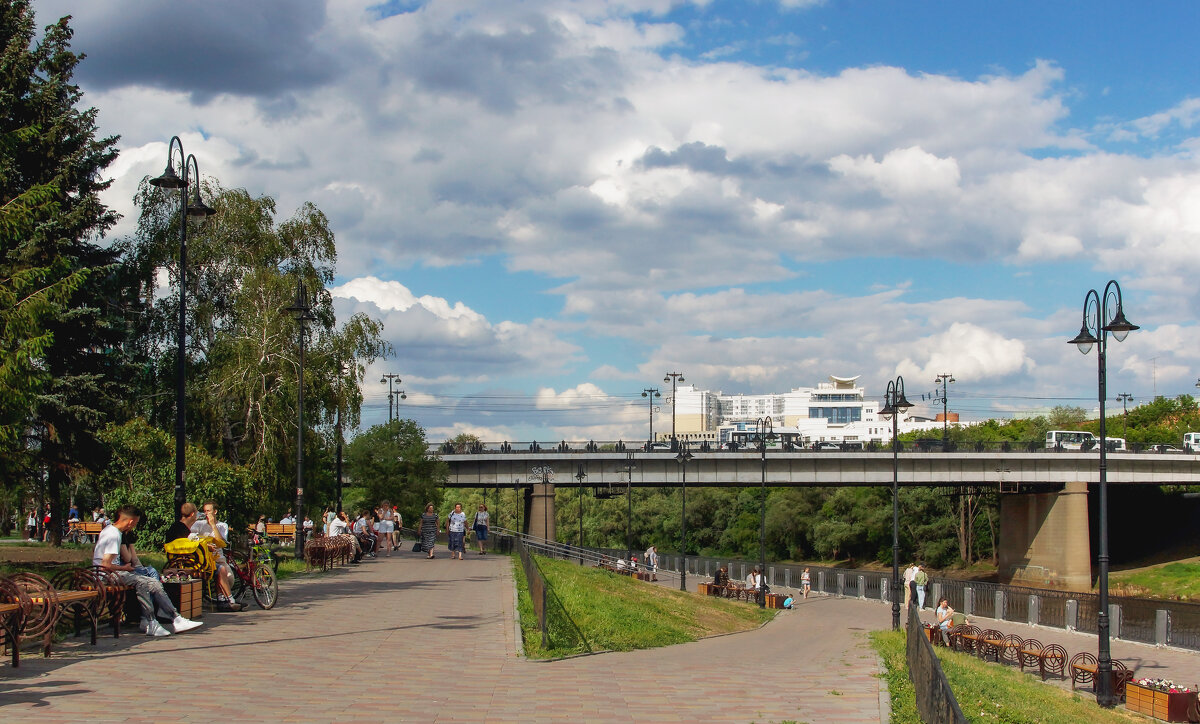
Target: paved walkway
x: 415, y: 640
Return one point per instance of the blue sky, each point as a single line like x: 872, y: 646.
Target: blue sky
x: 552, y: 203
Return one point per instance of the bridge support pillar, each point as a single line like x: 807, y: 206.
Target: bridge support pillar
x: 541, y: 512
x: 1044, y: 539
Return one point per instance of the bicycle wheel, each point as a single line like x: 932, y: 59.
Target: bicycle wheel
x: 266, y: 588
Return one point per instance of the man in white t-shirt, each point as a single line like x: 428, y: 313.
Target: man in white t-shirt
x: 209, y: 527
x: 107, y: 555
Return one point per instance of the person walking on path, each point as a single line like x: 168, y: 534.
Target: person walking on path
x: 805, y: 582
x: 909, y: 573
x: 481, y: 527
x: 652, y: 562
x: 397, y: 523
x: 456, y: 527
x: 921, y: 578
x: 428, y: 529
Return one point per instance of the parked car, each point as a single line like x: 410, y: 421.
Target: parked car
x: 826, y: 445
x: 660, y: 446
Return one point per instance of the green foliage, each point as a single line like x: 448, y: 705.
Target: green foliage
x: 390, y: 462
x: 1174, y: 580
x: 141, y: 472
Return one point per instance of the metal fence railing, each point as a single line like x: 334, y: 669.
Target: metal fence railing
x: 537, y: 589
x: 935, y: 700
x: 1152, y: 621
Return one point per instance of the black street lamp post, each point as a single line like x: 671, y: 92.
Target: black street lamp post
x: 581, y: 476
x: 171, y: 180
x: 301, y: 309
x: 629, y: 466
x: 1103, y: 314
x: 673, y: 378
x: 650, y: 393
x: 895, y: 405
x: 342, y: 371
x: 682, y: 458
x: 394, y: 395
x: 766, y: 432
x: 945, y: 378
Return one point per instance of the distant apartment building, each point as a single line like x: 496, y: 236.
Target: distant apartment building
x: 834, y: 411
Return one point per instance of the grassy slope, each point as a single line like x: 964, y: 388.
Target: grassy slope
x: 591, y: 609
x: 1172, y: 580
x: 987, y: 691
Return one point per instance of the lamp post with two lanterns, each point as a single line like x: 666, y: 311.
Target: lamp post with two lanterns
x: 1102, y: 314
x: 895, y: 405
x: 172, y: 180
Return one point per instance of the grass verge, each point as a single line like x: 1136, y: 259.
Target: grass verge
x: 987, y: 692
x: 1174, y: 580
x: 594, y: 610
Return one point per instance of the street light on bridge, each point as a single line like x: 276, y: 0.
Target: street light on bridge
x: 895, y: 405
x: 1103, y: 314
x: 171, y: 180
x: 673, y: 378
x: 394, y: 395
x: 650, y: 393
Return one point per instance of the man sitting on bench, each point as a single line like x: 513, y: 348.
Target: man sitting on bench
x: 107, y: 555
x: 208, y: 527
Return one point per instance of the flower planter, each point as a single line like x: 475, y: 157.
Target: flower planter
x: 1168, y: 706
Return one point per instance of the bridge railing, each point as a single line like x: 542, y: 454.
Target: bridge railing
x: 643, y: 446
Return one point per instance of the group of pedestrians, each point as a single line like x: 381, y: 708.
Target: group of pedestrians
x: 455, y: 526
x: 916, y: 577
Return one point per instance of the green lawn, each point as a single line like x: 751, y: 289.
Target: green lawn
x: 594, y: 610
x: 988, y: 692
x: 1173, y: 580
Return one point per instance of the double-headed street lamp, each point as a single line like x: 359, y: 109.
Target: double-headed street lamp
x: 650, y: 393
x: 673, y: 378
x: 895, y: 404
x: 394, y: 395
x: 1103, y: 314
x: 945, y: 378
x: 171, y: 180
x: 682, y: 458
x: 629, y: 467
x: 581, y: 476
x: 766, y: 432
x: 301, y: 309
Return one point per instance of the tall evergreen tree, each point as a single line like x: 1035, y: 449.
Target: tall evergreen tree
x: 52, y: 149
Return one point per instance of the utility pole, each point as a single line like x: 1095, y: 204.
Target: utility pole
x: 945, y: 378
x: 1124, y: 399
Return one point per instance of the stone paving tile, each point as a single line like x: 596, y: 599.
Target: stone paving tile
x: 433, y: 641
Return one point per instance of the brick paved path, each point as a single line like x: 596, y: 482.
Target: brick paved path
x: 415, y: 640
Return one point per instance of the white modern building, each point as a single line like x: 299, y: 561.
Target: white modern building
x: 835, y: 411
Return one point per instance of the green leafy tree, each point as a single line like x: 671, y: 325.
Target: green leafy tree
x: 141, y: 472
x: 391, y: 462
x: 243, y: 363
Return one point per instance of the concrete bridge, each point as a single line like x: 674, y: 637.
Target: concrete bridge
x: 1044, y: 535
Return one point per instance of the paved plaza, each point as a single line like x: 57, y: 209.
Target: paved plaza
x: 408, y: 639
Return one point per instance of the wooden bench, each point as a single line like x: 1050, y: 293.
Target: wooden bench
x: 14, y: 607
x: 1084, y: 668
x: 281, y: 531
x: 80, y: 529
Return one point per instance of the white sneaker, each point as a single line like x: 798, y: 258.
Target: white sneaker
x: 154, y: 628
x: 181, y: 624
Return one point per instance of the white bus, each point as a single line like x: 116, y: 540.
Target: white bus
x: 1191, y: 442
x: 1070, y: 440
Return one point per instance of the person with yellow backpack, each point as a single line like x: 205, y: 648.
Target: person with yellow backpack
x: 211, y: 535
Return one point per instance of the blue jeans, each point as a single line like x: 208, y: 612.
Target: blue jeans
x: 147, y: 571
x: 920, y: 597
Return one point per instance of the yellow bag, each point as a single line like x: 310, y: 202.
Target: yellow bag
x: 190, y: 554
